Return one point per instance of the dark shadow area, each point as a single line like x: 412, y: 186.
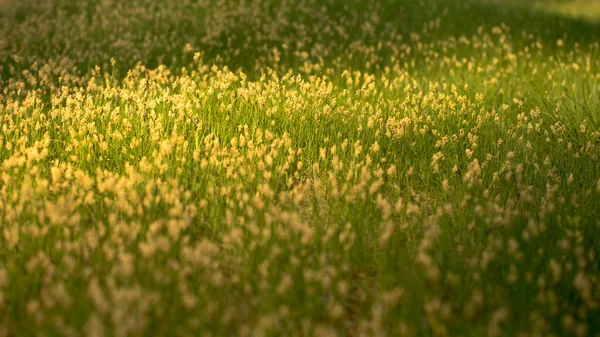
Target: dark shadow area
x: 79, y: 35
x: 524, y: 20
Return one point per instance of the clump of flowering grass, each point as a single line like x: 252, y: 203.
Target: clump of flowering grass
x: 211, y: 184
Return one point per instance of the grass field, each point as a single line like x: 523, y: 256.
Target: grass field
x: 299, y: 168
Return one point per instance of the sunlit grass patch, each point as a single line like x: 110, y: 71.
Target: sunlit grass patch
x: 578, y: 9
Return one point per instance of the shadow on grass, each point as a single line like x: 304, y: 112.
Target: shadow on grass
x: 160, y: 35
x: 466, y: 18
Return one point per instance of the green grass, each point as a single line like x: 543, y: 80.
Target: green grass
x: 305, y: 168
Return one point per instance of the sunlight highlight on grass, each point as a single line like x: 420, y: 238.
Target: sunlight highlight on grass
x: 577, y: 9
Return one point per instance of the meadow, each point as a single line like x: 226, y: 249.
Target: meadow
x: 299, y: 168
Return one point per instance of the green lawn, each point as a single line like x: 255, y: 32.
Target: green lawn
x: 299, y: 168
